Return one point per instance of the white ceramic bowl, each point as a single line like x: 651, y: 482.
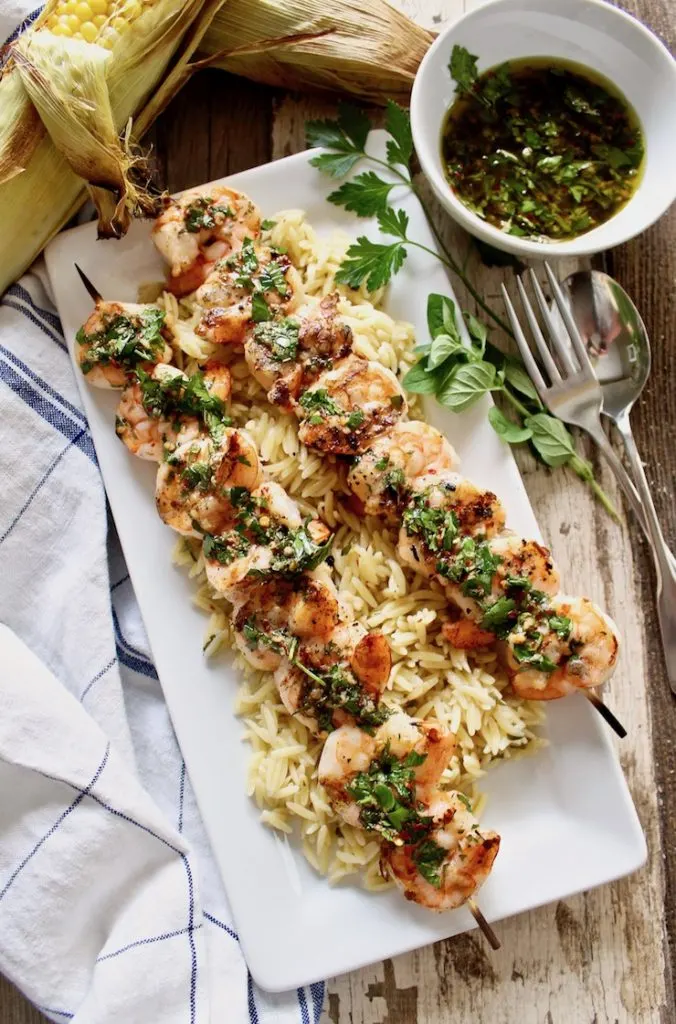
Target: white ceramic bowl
x: 588, y: 32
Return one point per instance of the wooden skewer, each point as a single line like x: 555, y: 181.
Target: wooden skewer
x: 493, y: 940
x: 606, y: 713
x: 91, y: 290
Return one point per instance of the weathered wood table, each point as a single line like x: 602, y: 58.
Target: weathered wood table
x: 602, y: 957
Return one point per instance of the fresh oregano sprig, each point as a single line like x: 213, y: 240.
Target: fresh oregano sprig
x: 457, y: 374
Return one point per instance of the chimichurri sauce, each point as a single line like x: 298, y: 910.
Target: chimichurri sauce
x: 537, y: 148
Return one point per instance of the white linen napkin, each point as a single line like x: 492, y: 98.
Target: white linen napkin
x: 111, y: 907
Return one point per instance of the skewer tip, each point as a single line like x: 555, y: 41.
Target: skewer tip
x: 93, y: 293
x: 493, y: 940
x: 606, y: 714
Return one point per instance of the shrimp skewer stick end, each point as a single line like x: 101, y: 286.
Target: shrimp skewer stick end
x: 606, y: 713
x: 489, y: 934
x: 93, y: 293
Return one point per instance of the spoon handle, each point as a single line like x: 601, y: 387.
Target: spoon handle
x: 665, y: 563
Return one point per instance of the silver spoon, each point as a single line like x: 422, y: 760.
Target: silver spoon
x: 619, y: 347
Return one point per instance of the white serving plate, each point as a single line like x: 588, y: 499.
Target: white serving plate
x: 566, y: 818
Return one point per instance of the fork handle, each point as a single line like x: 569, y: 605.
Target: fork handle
x: 665, y: 563
x: 600, y: 438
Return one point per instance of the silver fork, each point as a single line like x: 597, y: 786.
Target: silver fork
x: 575, y: 396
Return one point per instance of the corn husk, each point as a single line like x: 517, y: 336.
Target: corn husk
x: 63, y: 104
x: 364, y: 48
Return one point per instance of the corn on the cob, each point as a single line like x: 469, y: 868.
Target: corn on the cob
x: 64, y: 100
x: 362, y: 47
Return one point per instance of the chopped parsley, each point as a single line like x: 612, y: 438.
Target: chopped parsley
x: 355, y: 419
x: 437, y: 527
x: 337, y: 689
x: 499, y: 616
x: 382, y: 463
x: 394, y: 480
x: 537, y: 148
x: 280, y: 337
x: 202, y: 214
x: 385, y: 794
x: 197, y: 476
x: 226, y: 548
x: 272, y: 278
x: 429, y: 857
x: 260, y: 311
x: 179, y: 395
x: 473, y: 565
x: 319, y: 405
x: 259, y: 278
x: 293, y: 551
x: 125, y: 340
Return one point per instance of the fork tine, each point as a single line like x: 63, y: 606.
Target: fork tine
x: 560, y: 348
x: 571, y: 326
x: 524, y: 348
x: 545, y: 354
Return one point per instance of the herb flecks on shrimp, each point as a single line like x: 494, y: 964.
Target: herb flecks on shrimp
x: 118, y: 338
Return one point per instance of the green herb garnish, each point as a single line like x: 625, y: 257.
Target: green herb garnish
x: 201, y: 214
x: 539, y: 149
x: 280, y: 337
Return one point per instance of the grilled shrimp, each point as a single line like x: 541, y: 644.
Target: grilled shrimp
x: 449, y: 865
x: 249, y: 286
x: 193, y: 486
x: 349, y: 406
x: 270, y: 537
x: 120, y: 337
x: 277, y: 615
x: 200, y: 227
x: 575, y: 646
x: 147, y: 428
x: 381, y: 478
x: 349, y: 751
x: 286, y: 356
x: 339, y: 671
x: 442, y: 509
x: 511, y: 560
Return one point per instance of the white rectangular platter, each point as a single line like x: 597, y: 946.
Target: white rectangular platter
x: 565, y: 816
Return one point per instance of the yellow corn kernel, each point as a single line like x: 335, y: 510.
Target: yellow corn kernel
x: 69, y: 7
x: 89, y: 31
x: 120, y: 24
x: 99, y: 20
x: 73, y: 22
x: 57, y: 30
x: 77, y: 35
x: 64, y: 24
x: 84, y: 11
x: 131, y: 10
x: 99, y: 6
x: 51, y: 22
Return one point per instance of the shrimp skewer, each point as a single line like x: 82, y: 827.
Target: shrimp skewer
x: 349, y: 406
x: 159, y: 412
x: 287, y: 355
x: 120, y: 337
x: 198, y: 485
x: 250, y: 286
x: 200, y: 227
x: 433, y: 847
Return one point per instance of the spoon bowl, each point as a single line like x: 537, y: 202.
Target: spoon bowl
x: 615, y: 336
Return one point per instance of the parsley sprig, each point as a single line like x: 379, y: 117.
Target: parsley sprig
x: 456, y: 373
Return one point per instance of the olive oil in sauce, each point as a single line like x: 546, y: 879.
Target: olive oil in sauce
x: 540, y: 148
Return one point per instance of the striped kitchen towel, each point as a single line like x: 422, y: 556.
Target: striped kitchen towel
x: 111, y: 907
